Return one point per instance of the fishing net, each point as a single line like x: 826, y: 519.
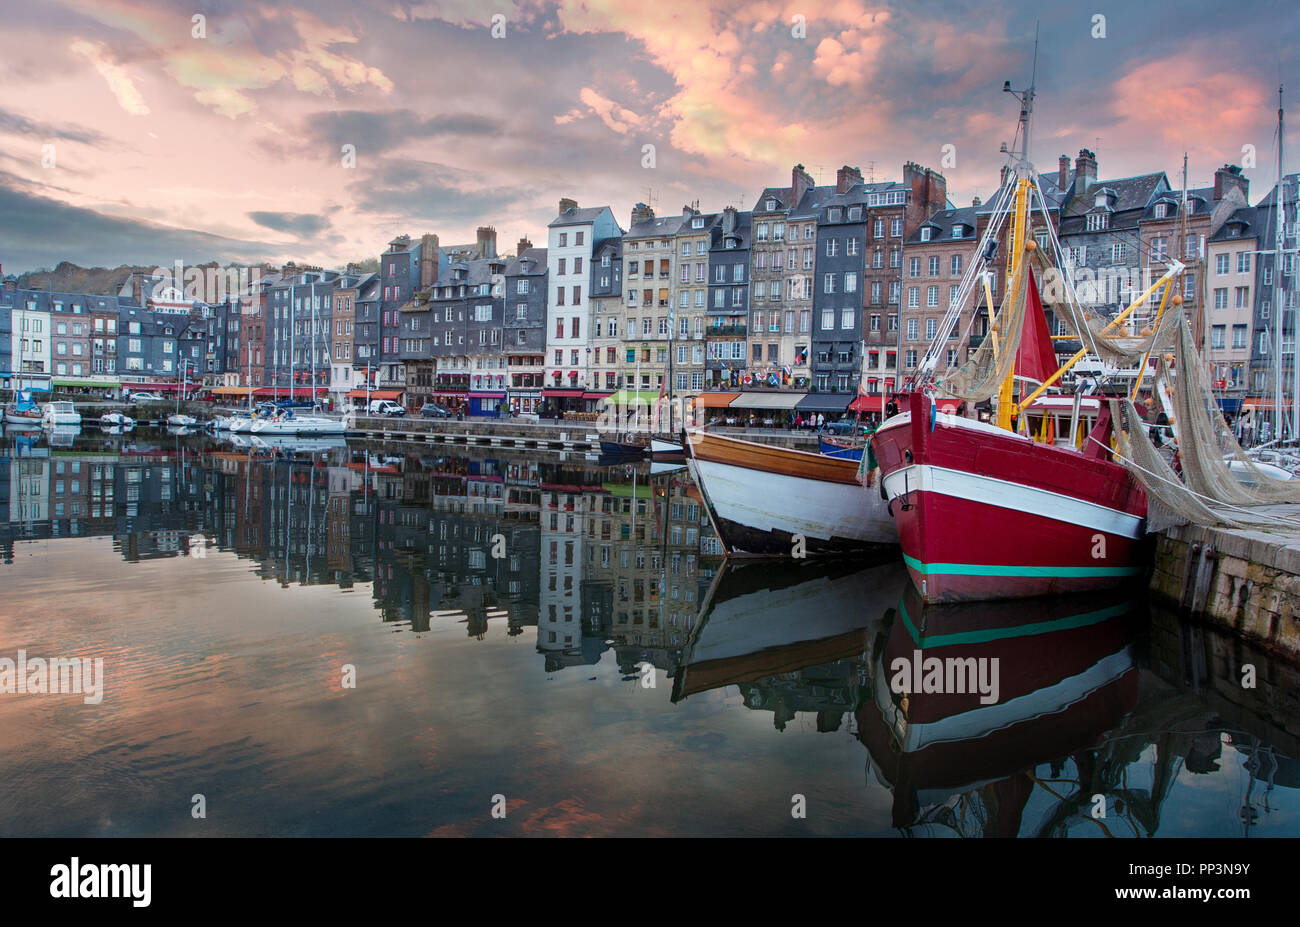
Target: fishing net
x: 1205, y: 443
x: 1168, y: 501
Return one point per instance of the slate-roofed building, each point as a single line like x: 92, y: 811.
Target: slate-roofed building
x: 525, y: 331
x: 1275, y: 296
x: 571, y: 235
x: 649, y: 273
x: 728, y: 298
x: 606, y: 301
x: 1230, y: 264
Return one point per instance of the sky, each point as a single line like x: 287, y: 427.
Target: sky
x: 151, y: 131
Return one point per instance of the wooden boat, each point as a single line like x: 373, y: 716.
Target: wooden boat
x: 22, y: 414
x: 760, y: 497
x: 764, y: 619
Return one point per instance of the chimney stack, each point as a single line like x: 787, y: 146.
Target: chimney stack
x: 428, y: 260
x: 846, y: 177
x: 729, y: 220
x: 800, y: 183
x: 975, y: 202
x: 486, y: 238
x: 641, y: 212
x: 1228, y: 178
x: 524, y: 245
x: 566, y: 204
x: 1063, y: 172
x: 1085, y: 171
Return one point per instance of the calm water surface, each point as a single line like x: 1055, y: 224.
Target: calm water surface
x: 562, y: 633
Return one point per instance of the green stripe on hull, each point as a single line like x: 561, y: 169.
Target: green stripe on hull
x: 983, y: 636
x: 981, y: 569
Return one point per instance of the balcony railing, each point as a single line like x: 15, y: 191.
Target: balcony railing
x: 725, y: 330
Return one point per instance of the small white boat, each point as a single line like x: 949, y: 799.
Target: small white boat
x: 116, y: 420
x: 290, y: 424
x: 665, y: 446
x: 1246, y: 477
x: 60, y: 413
x: 181, y: 420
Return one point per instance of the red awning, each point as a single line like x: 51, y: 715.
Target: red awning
x: 562, y: 393
x: 159, y: 387
x: 867, y: 404
x: 590, y: 394
x: 375, y: 394
x: 285, y: 392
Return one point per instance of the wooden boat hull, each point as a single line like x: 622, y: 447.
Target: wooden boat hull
x: 986, y: 514
x: 761, y: 497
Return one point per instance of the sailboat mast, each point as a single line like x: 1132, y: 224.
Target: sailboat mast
x: 1278, y: 315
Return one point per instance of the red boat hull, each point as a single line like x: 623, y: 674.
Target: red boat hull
x: 986, y: 514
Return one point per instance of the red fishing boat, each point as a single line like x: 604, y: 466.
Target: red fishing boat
x: 1033, y: 502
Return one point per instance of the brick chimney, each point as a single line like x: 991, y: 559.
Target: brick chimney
x: 428, y: 260
x: 524, y: 245
x: 641, y: 212
x: 1063, y: 171
x: 1085, y: 171
x: 1229, y: 178
x: 927, y: 193
x: 566, y: 204
x: 846, y: 177
x: 486, y: 238
x: 800, y: 183
x: 976, y: 202
x: 729, y: 220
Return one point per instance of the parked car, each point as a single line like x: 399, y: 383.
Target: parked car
x: 145, y: 397
x: 846, y: 428
x: 433, y: 410
x: 385, y: 407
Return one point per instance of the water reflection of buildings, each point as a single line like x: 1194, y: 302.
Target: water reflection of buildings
x: 582, y: 552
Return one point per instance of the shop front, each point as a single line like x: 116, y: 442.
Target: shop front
x: 487, y: 403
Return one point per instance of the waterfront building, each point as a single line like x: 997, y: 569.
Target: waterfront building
x: 1267, y: 310
x: 571, y: 237
x: 525, y: 331
x: 690, y: 302
x: 606, y: 301
x: 649, y: 259
x: 728, y: 299
x: 1229, y: 306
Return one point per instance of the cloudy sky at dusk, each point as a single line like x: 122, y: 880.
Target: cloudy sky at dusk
x: 169, y: 147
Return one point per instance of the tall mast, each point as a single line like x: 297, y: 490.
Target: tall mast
x: 1278, y: 312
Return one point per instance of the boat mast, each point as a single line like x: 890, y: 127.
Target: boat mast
x: 1279, y: 242
x: 1018, y: 233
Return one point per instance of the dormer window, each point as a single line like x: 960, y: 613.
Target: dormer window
x: 834, y: 214
x: 771, y: 205
x: 1161, y: 210
x: 697, y: 222
x: 957, y: 231
x: 1098, y: 221
x: 925, y: 234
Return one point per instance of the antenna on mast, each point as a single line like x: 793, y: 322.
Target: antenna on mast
x: 1026, y: 98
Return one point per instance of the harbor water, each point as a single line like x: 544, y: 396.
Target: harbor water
x: 349, y: 639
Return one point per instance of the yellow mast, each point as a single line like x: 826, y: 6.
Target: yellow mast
x: 1016, y: 249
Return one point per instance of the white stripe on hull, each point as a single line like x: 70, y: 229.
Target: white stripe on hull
x: 816, y: 509
x: 960, y: 484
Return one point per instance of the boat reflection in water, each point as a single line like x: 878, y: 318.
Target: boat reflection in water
x: 765, y: 619
x: 1061, y: 672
